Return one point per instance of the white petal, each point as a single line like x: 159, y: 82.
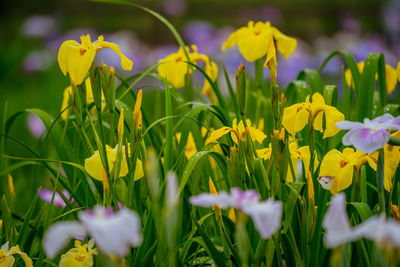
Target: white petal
x: 58, y: 235
x: 208, y: 200
x: 5, y: 247
x: 266, y: 216
x: 349, y: 125
x: 336, y: 224
x: 114, y: 233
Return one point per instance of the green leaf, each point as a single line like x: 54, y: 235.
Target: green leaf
x: 313, y: 79
x: 218, y: 258
x: 363, y: 209
x: 296, y: 92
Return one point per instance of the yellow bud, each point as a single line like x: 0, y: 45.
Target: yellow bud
x: 138, y: 103
x: 213, y: 190
x: 310, y: 187
x: 121, y: 124
x: 140, y: 120
x: 106, y: 186
x: 1, y: 223
x: 11, y: 185
x: 232, y: 215
x: 112, y: 70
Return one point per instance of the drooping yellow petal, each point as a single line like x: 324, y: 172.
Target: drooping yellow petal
x: 332, y: 116
x: 295, y: 118
x: 94, y: 166
x: 16, y: 250
x: 190, y: 148
x: 257, y: 134
x: 215, y: 135
x: 232, y: 214
x: 213, y: 190
x: 271, y: 62
x: 231, y: 41
x: 126, y: 63
x: 286, y: 45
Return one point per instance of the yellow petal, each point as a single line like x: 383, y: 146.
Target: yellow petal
x: 94, y: 166
x: 332, y: 116
x: 257, y: 134
x: 138, y: 102
x: 391, y: 79
x: 271, y: 62
x: 190, y: 149
x: 285, y: 44
x: 264, y: 153
x: 253, y: 43
x: 24, y: 256
x: 215, y: 135
x: 65, y: 102
x: 334, y: 165
x: 174, y: 69
x: 230, y: 42
x: 139, y: 170
x: 76, y: 59
x: 295, y: 118
x: 126, y: 63
x: 232, y: 214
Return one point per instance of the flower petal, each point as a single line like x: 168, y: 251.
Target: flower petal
x: 58, y: 235
x: 208, y: 200
x: 368, y: 141
x: 266, y: 216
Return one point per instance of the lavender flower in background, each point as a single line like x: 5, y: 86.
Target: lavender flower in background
x: 385, y: 232
x: 174, y: 7
x: 35, y: 125
x: 113, y: 232
x: 46, y: 195
x: 202, y: 34
x: 38, y: 60
x: 266, y: 215
x: 370, y: 135
x: 38, y: 26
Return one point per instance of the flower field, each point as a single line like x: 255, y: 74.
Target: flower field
x: 208, y: 166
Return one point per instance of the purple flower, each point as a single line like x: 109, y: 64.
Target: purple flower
x: 46, y: 195
x: 113, y: 232
x: 370, y: 135
x: 35, y: 125
x: 385, y: 232
x: 38, y: 26
x: 266, y: 215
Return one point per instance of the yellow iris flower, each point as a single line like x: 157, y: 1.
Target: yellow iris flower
x: 76, y: 59
x: 391, y: 76
x: 296, y: 116
x: 237, y: 131
x: 79, y: 256
x: 190, y: 148
x: 254, y: 38
x: 7, y: 259
x: 337, y: 168
x: 174, y: 68
x: 94, y: 166
x: 89, y: 98
x: 391, y: 156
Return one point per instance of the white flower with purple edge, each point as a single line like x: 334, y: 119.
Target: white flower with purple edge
x: 47, y: 195
x: 338, y: 231
x: 113, y: 232
x: 370, y: 135
x: 266, y: 215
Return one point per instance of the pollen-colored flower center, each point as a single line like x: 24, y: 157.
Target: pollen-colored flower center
x: 299, y: 108
x: 257, y: 32
x: 2, y: 256
x: 80, y: 258
x: 343, y: 163
x: 83, y: 51
x: 178, y: 59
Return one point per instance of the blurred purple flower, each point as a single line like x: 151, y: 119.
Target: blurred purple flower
x: 202, y: 34
x: 38, y: 60
x: 46, y: 195
x: 174, y: 7
x: 38, y: 26
x: 113, y: 232
x: 261, y: 13
x: 338, y: 231
x: 370, y: 135
x: 35, y: 125
x: 266, y: 215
